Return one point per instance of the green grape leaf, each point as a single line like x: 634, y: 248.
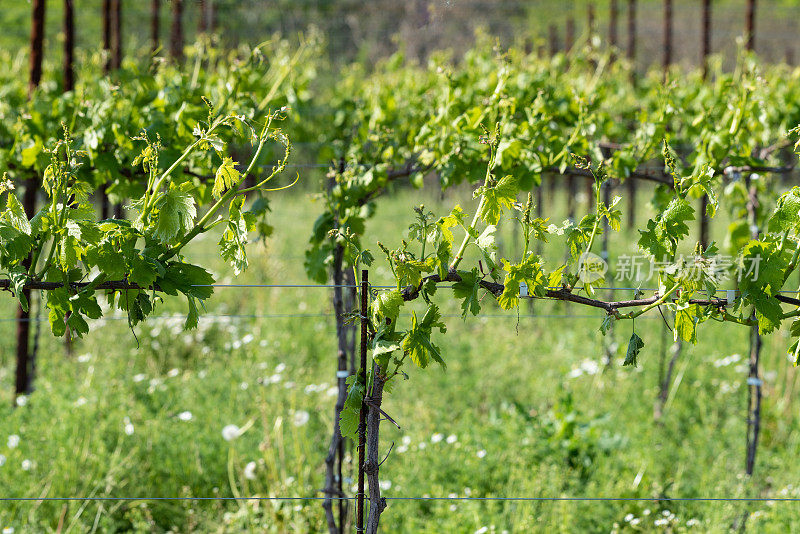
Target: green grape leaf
x: 496, y: 199
x: 607, y: 325
x: 387, y: 306
x: 669, y: 227
x: 349, y: 417
x: 686, y: 324
x: 175, y: 213
x: 225, y: 178
x: 529, y: 271
x: 467, y: 291
x: 787, y: 213
x: 417, y: 343
x: 635, y: 345
x: 16, y: 215
x: 191, y: 280
x: 193, y: 316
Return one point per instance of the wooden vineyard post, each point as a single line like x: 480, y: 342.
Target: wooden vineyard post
x: 609, y: 353
x: 571, y: 192
x: 116, y: 34
x: 105, y: 205
x: 706, y: 39
x: 116, y: 64
x: 750, y: 22
x: 753, y: 379
x: 362, y: 420
x: 630, y: 184
x: 335, y: 457
x: 706, y: 51
x: 69, y: 45
x: 553, y: 40
x: 569, y: 34
x: 176, y: 33
x: 632, y: 32
x: 202, y: 23
x: 155, y: 24
x: 667, y: 61
x: 26, y: 363
x: 106, y: 14
x: 631, y: 53
x: 69, y: 85
x: 613, y: 16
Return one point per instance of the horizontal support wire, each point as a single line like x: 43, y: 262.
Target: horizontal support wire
x: 312, y: 316
x: 476, y: 499
x: 3, y: 283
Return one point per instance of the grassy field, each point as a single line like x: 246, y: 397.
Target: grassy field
x: 526, y: 408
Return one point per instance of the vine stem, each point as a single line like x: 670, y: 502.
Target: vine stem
x: 200, y: 226
x: 661, y: 300
x: 377, y: 504
x: 460, y: 253
x: 149, y: 198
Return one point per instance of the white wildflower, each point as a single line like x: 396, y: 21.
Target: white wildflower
x: 230, y: 432
x: 27, y: 465
x: 140, y: 377
x: 281, y: 367
x: 436, y: 438
x: 452, y: 438
x: 185, y: 416
x: 128, y: 426
x: 13, y: 441
x: 22, y: 400
x: 481, y: 453
x: 250, y: 471
x: 248, y: 338
x: 172, y: 373
x: 300, y: 418
x: 385, y: 484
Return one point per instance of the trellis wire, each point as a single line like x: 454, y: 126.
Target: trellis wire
x: 392, y: 287
x: 321, y: 315
x: 479, y: 499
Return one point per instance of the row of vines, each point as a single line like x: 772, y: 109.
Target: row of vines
x: 197, y: 146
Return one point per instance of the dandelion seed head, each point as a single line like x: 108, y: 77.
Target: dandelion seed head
x: 250, y: 471
x: 230, y: 432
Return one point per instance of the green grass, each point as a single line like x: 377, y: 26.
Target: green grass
x: 524, y: 422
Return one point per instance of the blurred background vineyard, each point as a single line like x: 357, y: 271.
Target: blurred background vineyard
x: 356, y: 30
x: 524, y: 409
